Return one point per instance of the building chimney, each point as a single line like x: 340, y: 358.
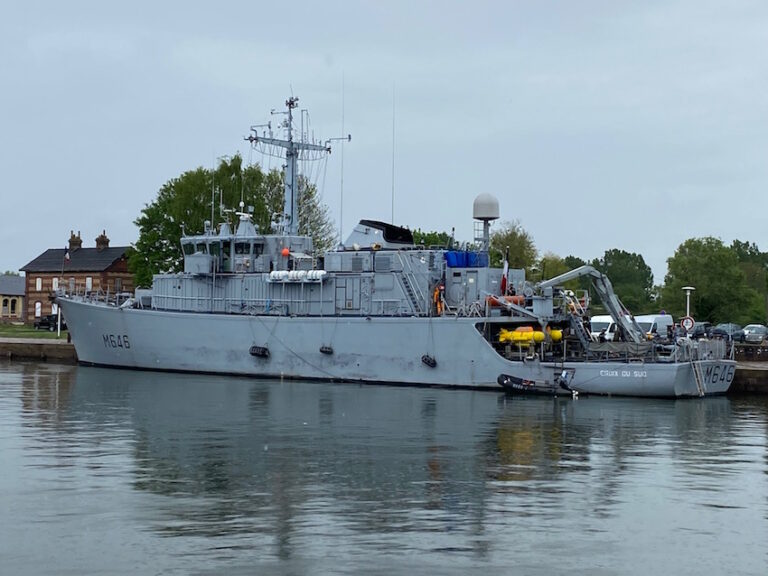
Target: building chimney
x: 102, y: 241
x: 75, y: 242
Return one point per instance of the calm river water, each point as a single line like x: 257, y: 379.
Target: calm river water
x: 116, y: 472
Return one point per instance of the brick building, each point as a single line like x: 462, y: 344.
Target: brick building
x: 76, y: 270
x: 11, y: 298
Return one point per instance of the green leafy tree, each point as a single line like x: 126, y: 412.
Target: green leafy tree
x: 573, y: 262
x: 522, y: 250
x: 185, y: 202
x: 314, y: 219
x: 441, y: 239
x: 631, y: 277
x: 551, y: 265
x: 754, y: 264
x: 713, y: 269
x: 10, y: 273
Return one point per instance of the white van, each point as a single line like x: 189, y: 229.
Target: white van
x: 599, y: 323
x: 655, y: 325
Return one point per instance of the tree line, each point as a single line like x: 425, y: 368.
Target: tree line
x: 731, y: 281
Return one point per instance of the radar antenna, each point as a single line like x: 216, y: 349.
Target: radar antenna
x: 293, y: 152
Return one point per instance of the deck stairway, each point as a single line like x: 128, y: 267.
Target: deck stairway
x: 578, y: 328
x: 411, y: 286
x: 408, y: 287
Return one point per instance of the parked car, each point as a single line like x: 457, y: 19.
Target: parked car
x: 701, y: 330
x: 755, y: 333
x: 50, y: 322
x: 729, y: 331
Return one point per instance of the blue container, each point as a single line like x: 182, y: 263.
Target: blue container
x: 450, y: 259
x: 477, y: 259
x: 456, y: 259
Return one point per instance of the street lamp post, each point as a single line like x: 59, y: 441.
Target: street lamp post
x: 688, y: 290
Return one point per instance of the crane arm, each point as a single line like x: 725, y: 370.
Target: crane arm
x: 608, y: 297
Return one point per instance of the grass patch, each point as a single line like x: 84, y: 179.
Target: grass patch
x: 26, y: 331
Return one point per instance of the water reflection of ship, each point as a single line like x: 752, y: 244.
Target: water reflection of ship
x: 270, y: 458
x: 234, y: 457
x: 541, y: 439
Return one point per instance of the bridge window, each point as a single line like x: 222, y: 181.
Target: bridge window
x: 202, y: 248
x: 189, y: 248
x: 242, y: 248
x: 214, y: 248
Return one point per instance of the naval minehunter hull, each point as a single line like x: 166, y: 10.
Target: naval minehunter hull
x: 436, y: 351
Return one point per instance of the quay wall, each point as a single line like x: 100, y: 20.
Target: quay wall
x: 37, y: 349
x: 750, y: 378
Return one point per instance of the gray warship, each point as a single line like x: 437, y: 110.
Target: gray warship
x: 379, y: 309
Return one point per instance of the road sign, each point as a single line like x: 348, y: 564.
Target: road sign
x: 687, y: 323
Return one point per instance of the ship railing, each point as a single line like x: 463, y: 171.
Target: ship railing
x: 81, y: 293
x: 95, y: 296
x: 687, y: 350
x: 681, y: 351
x: 206, y: 304
x: 711, y: 349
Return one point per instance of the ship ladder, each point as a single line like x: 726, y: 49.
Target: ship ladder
x: 411, y: 295
x: 698, y: 377
x: 581, y: 332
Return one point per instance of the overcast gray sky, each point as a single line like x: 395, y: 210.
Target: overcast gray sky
x: 597, y: 124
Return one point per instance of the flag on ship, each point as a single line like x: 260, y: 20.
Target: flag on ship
x: 505, y: 273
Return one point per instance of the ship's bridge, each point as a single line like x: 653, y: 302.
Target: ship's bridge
x: 244, y: 251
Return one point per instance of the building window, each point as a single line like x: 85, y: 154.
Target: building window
x: 5, y: 306
x: 38, y: 309
x: 88, y: 283
x: 13, y: 307
x: 38, y: 284
x: 55, y: 284
x: 54, y: 308
x: 71, y: 285
x: 118, y: 284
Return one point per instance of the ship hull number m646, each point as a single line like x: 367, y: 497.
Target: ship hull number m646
x: 116, y: 341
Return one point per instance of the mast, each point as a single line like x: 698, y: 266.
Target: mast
x: 293, y: 150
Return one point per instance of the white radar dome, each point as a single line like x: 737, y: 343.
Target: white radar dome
x: 486, y: 207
